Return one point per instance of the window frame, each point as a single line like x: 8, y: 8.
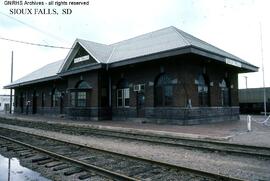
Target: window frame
x: 81, y: 99
x: 224, y: 88
x: 78, y: 96
x: 55, y: 98
x: 124, y: 97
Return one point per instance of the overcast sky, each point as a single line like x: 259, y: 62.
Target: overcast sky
x: 232, y: 25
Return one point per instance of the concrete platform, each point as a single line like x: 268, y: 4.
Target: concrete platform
x: 234, y: 131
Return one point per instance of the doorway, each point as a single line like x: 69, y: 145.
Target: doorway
x: 140, y: 104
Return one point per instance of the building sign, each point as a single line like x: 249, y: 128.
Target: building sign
x: 81, y: 59
x: 233, y: 62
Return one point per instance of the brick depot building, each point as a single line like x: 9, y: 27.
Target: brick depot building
x: 166, y: 76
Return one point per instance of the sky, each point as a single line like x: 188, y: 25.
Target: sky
x: 232, y: 25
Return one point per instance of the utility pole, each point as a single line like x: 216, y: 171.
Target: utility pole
x: 9, y: 164
x: 264, y: 91
x: 11, y: 80
x: 246, y: 81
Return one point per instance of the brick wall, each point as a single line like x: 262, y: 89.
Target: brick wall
x: 183, y: 70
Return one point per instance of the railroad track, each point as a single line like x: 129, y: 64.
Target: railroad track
x: 106, y: 164
x: 209, y: 145
x: 202, y: 144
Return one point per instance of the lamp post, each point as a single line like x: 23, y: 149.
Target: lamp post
x: 9, y: 165
x: 11, y: 80
x: 264, y: 91
x: 246, y: 81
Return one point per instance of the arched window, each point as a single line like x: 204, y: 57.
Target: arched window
x: 55, y: 97
x: 83, y: 85
x: 203, y: 90
x: 78, y: 96
x: 225, y: 93
x: 123, y: 93
x: 163, y: 90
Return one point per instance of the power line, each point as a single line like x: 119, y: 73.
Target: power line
x: 35, y: 44
x: 33, y: 27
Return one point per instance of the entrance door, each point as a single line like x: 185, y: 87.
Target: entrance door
x: 34, y: 108
x: 140, y: 104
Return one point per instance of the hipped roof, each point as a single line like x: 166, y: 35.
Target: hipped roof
x: 165, y: 42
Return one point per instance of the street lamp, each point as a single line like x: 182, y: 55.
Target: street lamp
x: 264, y: 91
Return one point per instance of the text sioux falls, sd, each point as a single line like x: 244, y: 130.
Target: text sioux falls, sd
x: 37, y: 11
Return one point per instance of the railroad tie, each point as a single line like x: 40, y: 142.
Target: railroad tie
x: 22, y: 154
x: 73, y: 171
x: 29, y: 155
x: 40, y: 159
x: 62, y: 167
x: 54, y: 165
x: 86, y: 176
x: 21, y: 149
x: 45, y: 161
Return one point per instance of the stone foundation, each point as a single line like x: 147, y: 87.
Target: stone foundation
x: 159, y: 115
x: 180, y: 116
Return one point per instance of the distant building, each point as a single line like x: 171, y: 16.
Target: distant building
x: 252, y: 100
x: 165, y: 76
x: 5, y: 103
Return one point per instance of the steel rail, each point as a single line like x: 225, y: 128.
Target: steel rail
x: 84, y: 165
x: 161, y: 139
x: 237, y: 148
x: 187, y: 169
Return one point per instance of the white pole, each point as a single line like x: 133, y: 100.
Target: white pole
x: 246, y: 81
x: 11, y: 80
x: 249, y: 123
x: 264, y: 92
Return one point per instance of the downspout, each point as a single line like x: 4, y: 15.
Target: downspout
x: 110, y: 86
x: 110, y: 80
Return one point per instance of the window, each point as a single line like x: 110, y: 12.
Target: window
x: 163, y: 90
x: 123, y: 94
x: 81, y: 99
x: 55, y: 98
x: 73, y: 99
x: 78, y: 96
x: 123, y: 97
x: 203, y: 91
x: 225, y: 95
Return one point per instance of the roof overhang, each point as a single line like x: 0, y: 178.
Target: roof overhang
x: 10, y: 86
x: 81, y: 69
x: 241, y: 66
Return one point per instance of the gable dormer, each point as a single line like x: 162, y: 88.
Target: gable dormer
x: 82, y: 58
x: 78, y: 57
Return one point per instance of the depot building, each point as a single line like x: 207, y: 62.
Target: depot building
x: 166, y: 76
